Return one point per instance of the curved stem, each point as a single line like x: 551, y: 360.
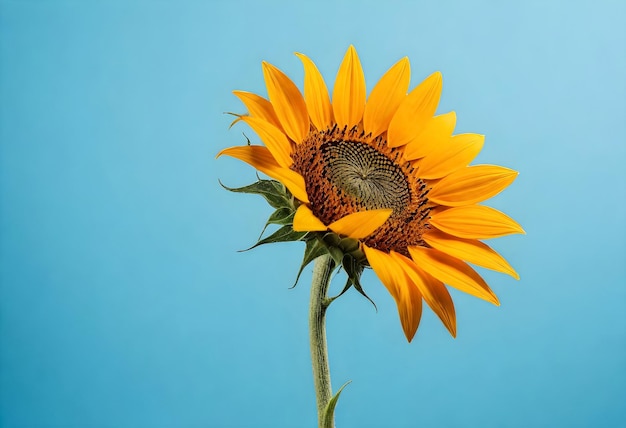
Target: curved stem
x: 317, y: 334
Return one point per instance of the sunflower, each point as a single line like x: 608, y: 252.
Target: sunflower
x: 385, y: 172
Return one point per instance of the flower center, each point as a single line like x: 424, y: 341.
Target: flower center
x: 365, y: 175
x: 346, y: 171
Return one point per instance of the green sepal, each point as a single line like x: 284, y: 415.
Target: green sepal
x: 274, y: 192
x: 329, y: 411
x: 336, y: 254
x: 282, y: 216
x: 345, y: 288
x: 284, y: 234
x: 354, y: 269
x: 332, y: 239
x: 314, y: 248
x: 348, y: 245
x: 345, y: 252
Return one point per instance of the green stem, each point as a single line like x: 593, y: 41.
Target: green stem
x: 317, y: 334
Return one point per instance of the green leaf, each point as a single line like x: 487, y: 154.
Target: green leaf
x: 314, y: 249
x: 284, y: 234
x: 329, y: 411
x: 273, y: 192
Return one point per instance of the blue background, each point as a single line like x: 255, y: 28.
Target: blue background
x: 123, y: 301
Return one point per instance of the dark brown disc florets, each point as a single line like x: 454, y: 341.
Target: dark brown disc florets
x: 346, y: 171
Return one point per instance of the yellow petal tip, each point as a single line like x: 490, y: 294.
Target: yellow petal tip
x: 305, y: 221
x: 519, y: 229
x: 221, y: 152
x: 266, y: 66
x: 404, y: 60
x: 438, y: 78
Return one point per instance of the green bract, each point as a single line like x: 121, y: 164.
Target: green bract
x: 345, y: 252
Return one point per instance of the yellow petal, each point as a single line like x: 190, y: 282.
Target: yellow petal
x: 470, y: 250
x: 433, y: 291
x: 395, y: 279
x: 237, y: 119
x: 349, y: 91
x: 273, y: 138
x: 471, y: 185
x: 415, y: 111
x: 436, y: 133
x: 475, y: 222
x: 316, y: 95
x: 386, y: 97
x: 305, y: 221
x: 288, y: 103
x: 361, y: 224
x: 258, y: 107
x: 457, y: 153
x: 261, y: 158
x: 453, y: 272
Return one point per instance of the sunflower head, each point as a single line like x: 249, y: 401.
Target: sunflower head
x: 378, y: 181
